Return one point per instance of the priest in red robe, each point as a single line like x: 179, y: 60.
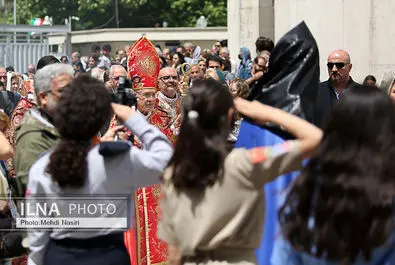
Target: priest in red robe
x: 141, y: 241
x: 167, y: 110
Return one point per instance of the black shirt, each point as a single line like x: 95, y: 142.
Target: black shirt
x: 326, y: 100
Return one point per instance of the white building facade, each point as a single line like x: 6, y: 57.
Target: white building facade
x: 361, y: 27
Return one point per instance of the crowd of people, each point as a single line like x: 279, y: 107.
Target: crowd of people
x: 200, y: 197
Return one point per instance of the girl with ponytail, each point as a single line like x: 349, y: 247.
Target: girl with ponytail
x: 85, y: 97
x: 212, y: 196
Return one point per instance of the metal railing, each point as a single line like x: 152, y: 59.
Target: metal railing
x: 21, y: 45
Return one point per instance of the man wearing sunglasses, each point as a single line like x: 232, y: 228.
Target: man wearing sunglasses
x: 166, y: 114
x: 116, y: 71
x: 329, y: 92
x: 258, y: 70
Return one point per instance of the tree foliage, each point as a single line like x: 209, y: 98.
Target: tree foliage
x: 186, y: 12
x: 132, y: 13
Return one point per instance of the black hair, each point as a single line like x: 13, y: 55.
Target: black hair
x: 10, y: 69
x: 264, y: 44
x: 95, y: 48
x: 201, y: 147
x: 81, y: 112
x: 80, y: 66
x: 342, y: 204
x: 46, y: 60
x: 164, y: 63
x: 214, y: 58
x: 107, y: 47
x: 158, y: 46
x: 95, y: 57
x: 64, y: 57
x: 369, y: 77
x: 180, y: 56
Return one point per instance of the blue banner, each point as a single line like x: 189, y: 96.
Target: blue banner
x: 252, y: 136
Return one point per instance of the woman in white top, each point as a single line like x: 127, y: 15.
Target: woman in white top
x: 75, y: 167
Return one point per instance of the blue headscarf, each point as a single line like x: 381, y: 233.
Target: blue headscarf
x: 244, y: 71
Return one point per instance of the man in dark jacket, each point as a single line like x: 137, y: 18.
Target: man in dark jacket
x: 329, y: 92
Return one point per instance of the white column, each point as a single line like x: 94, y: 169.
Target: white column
x: 247, y: 20
x: 335, y: 24
x: 382, y: 38
x: 234, y: 27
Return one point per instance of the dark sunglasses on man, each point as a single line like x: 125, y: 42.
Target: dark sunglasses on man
x: 338, y: 65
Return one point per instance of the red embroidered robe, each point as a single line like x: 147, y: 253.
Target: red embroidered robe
x: 164, y: 116
x: 141, y: 241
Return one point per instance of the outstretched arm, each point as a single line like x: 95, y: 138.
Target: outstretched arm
x: 308, y: 135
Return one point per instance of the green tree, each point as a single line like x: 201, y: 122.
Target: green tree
x: 132, y: 13
x: 59, y: 10
x: 184, y: 13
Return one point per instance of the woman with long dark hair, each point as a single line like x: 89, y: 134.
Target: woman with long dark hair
x: 369, y: 80
x: 341, y: 208
x: 213, y: 197
x: 76, y: 167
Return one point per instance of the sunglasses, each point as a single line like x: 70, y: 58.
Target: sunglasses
x: 3, y: 77
x: 338, y: 65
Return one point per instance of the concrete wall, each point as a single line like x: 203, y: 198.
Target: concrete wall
x: 362, y: 27
x: 247, y: 20
x: 382, y: 37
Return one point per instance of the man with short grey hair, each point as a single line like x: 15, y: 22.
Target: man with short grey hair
x: 188, y: 49
x: 191, y: 53
x: 76, y: 57
x: 116, y: 71
x: 37, y: 134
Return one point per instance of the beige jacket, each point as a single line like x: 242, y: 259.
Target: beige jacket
x: 227, y: 217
